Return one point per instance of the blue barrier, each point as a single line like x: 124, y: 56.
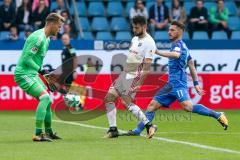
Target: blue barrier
x: 111, y: 45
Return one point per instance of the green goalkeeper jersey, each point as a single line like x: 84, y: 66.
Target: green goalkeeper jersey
x: 33, y: 53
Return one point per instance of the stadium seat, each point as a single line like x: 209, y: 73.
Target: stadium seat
x: 232, y: 8
x: 123, y: 36
x: 4, y: 35
x: 219, y: 35
x: 235, y: 35
x: 185, y: 36
x: 96, y: 9
x: 149, y: 5
x: 188, y: 6
x: 21, y: 35
x: 128, y: 7
x: 104, y: 36
x: 200, y: 35
x: 168, y: 4
x: 161, y: 35
x: 114, y: 9
x: 87, y: 36
x: 100, y: 24
x: 119, y: 24
x: 84, y: 24
x: 53, y: 5
x: 209, y: 5
x: 234, y: 23
x: 82, y: 9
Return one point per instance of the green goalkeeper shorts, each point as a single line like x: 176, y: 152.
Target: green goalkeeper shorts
x: 31, y: 84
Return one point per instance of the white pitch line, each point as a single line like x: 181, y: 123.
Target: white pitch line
x: 159, y: 138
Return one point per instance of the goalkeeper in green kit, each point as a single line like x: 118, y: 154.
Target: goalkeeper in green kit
x: 27, y: 70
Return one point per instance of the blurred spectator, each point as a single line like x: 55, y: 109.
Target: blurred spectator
x: 68, y: 30
x: 13, y: 33
x: 198, y: 18
x: 7, y: 15
x: 138, y: 10
x: 24, y: 12
x: 60, y: 7
x: 177, y: 12
x: 27, y: 32
x: 159, y: 16
x: 39, y: 15
x: 36, y: 3
x: 219, y: 17
x: 69, y: 21
x: 18, y: 3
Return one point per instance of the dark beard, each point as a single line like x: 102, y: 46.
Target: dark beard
x: 139, y: 34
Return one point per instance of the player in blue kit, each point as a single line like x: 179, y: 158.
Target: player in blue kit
x: 176, y: 88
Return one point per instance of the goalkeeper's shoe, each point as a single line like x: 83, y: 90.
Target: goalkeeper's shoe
x: 53, y: 136
x: 112, y: 133
x: 223, y: 120
x: 41, y: 138
x: 151, y: 130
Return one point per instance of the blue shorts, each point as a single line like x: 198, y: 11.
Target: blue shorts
x: 168, y: 94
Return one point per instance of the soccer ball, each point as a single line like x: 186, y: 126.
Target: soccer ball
x: 71, y: 100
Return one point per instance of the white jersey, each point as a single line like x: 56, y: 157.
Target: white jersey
x: 140, y: 49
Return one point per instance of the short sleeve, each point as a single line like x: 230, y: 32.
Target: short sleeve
x: 150, y: 50
x: 176, y: 48
x: 189, y: 57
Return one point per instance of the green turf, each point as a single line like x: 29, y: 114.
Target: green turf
x: 86, y: 143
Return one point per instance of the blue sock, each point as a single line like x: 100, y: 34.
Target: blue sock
x: 141, y: 126
x: 202, y: 110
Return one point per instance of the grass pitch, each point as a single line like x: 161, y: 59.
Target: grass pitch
x: 82, y: 141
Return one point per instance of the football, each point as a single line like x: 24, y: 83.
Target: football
x: 71, y: 100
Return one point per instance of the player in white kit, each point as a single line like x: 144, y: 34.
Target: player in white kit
x: 138, y: 65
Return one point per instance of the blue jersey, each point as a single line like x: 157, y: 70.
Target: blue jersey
x: 177, y: 67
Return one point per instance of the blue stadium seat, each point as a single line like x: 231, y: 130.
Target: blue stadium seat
x: 87, y: 36
x: 4, y: 35
x: 114, y: 9
x: 234, y: 23
x: 53, y: 5
x: 128, y: 7
x: 100, y: 24
x: 84, y: 23
x: 149, y: 5
x: 119, y: 24
x: 200, y: 35
x: 219, y: 35
x: 235, y: 35
x: 209, y: 5
x: 232, y: 8
x: 21, y: 35
x: 104, y: 36
x: 123, y: 36
x: 188, y: 6
x: 185, y: 36
x: 160, y: 35
x: 96, y: 9
x: 168, y: 4
x: 82, y: 9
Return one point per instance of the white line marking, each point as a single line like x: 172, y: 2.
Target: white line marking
x: 159, y: 138
x: 202, y: 133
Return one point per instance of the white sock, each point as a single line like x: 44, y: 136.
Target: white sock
x: 111, y: 114
x: 138, y: 113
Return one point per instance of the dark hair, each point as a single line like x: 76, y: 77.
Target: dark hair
x: 178, y: 24
x: 139, y: 20
x: 136, y: 2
